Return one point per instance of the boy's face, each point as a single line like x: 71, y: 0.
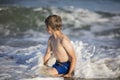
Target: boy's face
x: 49, y: 30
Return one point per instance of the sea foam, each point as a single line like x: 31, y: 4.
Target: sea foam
x: 92, y: 62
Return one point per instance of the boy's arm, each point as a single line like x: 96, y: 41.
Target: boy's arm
x: 48, y: 53
x: 69, y: 48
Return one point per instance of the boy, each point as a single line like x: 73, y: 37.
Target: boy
x: 61, y: 47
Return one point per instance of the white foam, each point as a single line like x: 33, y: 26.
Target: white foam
x: 47, y: 78
x: 38, y: 9
x: 75, y: 18
x: 78, y: 16
x: 92, y: 62
x: 97, y: 69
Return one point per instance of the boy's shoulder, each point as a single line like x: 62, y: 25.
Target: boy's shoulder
x: 65, y: 38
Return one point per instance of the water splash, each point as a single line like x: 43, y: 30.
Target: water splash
x: 26, y: 62
x: 89, y: 67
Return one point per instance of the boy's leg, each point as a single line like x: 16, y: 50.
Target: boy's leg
x: 45, y: 70
x: 53, y: 72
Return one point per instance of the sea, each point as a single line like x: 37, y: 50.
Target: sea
x: 93, y: 26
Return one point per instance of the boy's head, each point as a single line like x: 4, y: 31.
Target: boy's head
x: 54, y: 21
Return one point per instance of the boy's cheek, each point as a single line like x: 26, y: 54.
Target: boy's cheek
x: 49, y: 32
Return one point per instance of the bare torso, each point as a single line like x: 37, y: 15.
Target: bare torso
x: 58, y: 49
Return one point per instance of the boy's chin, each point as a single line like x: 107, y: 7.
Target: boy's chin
x: 50, y: 33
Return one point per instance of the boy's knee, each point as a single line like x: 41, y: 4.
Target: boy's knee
x: 53, y: 71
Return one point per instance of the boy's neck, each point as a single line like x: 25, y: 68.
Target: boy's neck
x: 57, y: 34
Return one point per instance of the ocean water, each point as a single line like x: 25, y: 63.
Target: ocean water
x: 93, y: 27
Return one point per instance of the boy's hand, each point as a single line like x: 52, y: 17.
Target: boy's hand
x: 67, y: 75
x: 45, y: 65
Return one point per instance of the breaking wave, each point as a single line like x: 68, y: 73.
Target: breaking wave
x: 92, y: 61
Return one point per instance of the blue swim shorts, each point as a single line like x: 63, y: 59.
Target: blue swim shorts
x: 62, y: 67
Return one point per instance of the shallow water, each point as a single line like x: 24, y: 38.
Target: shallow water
x: 93, y: 30
x: 92, y: 62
